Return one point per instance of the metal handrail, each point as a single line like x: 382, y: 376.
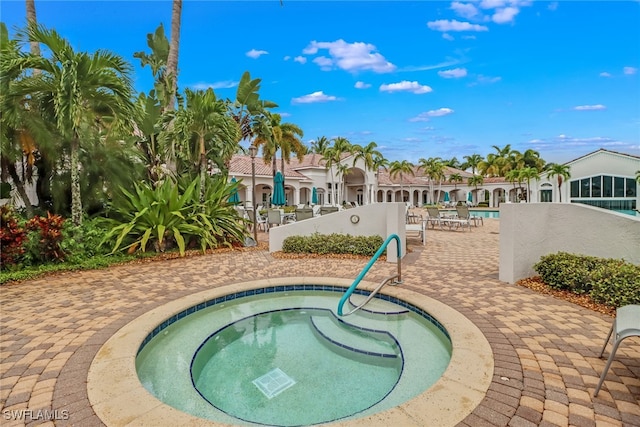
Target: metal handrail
x: 366, y: 269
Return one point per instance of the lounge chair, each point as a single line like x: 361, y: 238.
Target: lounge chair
x: 436, y: 218
x: 324, y: 210
x: 464, y: 213
x: 626, y: 324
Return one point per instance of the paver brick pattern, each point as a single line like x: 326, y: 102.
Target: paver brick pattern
x: 545, y: 349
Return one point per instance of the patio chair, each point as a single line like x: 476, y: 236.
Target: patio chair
x: 465, y: 213
x: 420, y: 228
x: 304, y: 213
x: 274, y: 217
x: 626, y: 324
x: 262, y: 223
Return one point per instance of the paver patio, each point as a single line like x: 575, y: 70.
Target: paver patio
x: 545, y: 349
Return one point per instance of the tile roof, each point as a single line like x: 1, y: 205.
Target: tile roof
x: 241, y: 165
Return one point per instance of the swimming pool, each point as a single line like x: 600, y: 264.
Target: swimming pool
x: 287, y: 360
x: 118, y: 397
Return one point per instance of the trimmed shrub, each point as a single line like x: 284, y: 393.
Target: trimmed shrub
x: 616, y: 283
x: 12, y: 238
x: 607, y: 281
x: 332, y: 244
x: 565, y: 271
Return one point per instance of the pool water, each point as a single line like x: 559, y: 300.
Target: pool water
x: 285, y: 359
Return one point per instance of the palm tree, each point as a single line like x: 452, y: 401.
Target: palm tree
x: 396, y: 168
x: 283, y: 137
x: 434, y: 169
x: 472, y: 162
x: 527, y: 174
x: 172, y: 58
x: 475, y: 180
x: 379, y: 162
x: 562, y: 172
x: 332, y: 157
x: 367, y: 153
x: 249, y: 111
x: 16, y: 138
x: 455, y: 178
x: 453, y: 163
x: 202, y: 126
x: 342, y: 169
x: 320, y: 145
x: 79, y: 89
x: 638, y: 176
x: 32, y: 21
x: 513, y: 176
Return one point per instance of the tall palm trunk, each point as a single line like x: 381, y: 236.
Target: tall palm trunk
x: 10, y: 167
x: 203, y: 169
x: 172, y: 59
x: 559, y: 187
x: 32, y: 22
x: 76, y: 196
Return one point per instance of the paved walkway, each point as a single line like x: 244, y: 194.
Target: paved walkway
x: 545, y: 349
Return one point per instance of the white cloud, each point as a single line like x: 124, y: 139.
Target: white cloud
x: 362, y: 85
x: 426, y: 116
x: 506, y: 15
x: 405, y: 86
x: 605, y: 74
x: 553, y: 6
x: 455, y: 73
x: 225, y: 84
x: 286, y: 58
x: 255, y: 54
x: 314, y: 97
x: 453, y: 25
x: 350, y: 57
x: 465, y: 10
x: 595, y: 107
x: 487, y: 79
x: 324, y: 63
x: 300, y: 59
x: 448, y: 36
x: 492, y: 4
x: 629, y: 70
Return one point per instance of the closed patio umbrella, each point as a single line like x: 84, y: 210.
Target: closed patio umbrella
x: 470, y: 197
x: 234, y: 197
x: 446, y: 196
x: 314, y: 196
x: 278, y: 198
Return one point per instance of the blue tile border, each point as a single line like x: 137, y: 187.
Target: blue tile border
x: 286, y: 288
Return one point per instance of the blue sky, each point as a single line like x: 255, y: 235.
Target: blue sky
x: 421, y: 79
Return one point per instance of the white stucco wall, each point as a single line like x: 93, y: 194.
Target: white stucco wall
x: 377, y: 219
x: 531, y: 230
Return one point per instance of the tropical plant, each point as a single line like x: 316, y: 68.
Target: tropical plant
x: 203, y: 130
x: 151, y: 215
x: 638, y: 176
x: 401, y: 168
x: 453, y: 163
x: 12, y: 237
x: 82, y: 90
x: 514, y: 177
x: 171, y: 214
x: 562, y: 172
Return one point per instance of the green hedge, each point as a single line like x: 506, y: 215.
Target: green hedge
x: 608, y: 281
x: 332, y: 244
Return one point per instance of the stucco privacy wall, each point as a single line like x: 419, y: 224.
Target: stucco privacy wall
x: 531, y: 230
x: 380, y: 219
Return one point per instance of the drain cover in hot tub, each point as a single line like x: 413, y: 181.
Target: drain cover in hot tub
x: 273, y: 383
